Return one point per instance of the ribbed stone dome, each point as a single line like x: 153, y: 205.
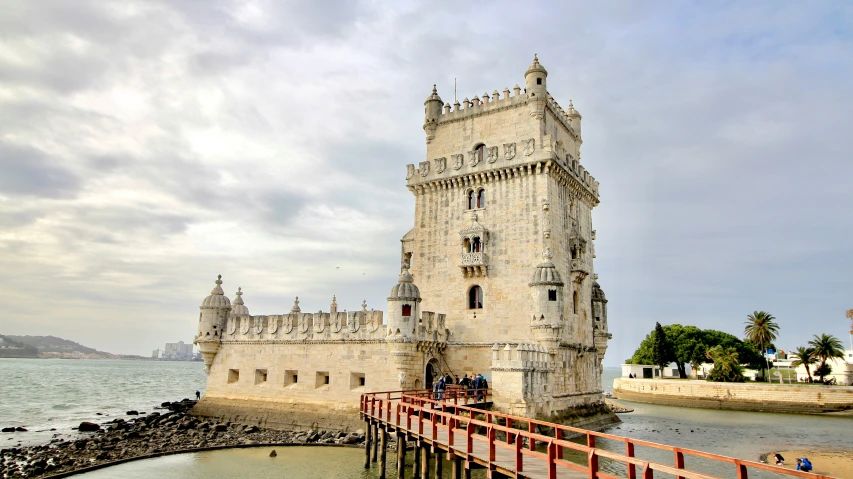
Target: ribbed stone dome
x: 598, y: 293
x: 405, y: 289
x: 546, y: 273
x: 239, y: 308
x: 217, y: 298
x: 536, y: 66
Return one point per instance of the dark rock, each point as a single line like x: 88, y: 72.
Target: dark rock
x: 132, y: 413
x: 99, y: 414
x: 273, y: 453
x: 220, y: 428
x: 251, y: 430
x: 8, y: 429
x: 88, y: 427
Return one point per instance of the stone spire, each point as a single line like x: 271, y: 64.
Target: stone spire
x: 536, y: 67
x: 333, y: 308
x: 239, y: 308
x: 217, y: 298
x: 295, y: 308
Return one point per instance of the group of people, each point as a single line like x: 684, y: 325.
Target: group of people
x: 474, y: 386
x: 803, y: 463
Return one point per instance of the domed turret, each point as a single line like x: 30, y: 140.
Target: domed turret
x: 535, y: 80
x: 546, y: 290
x: 239, y: 308
x: 403, y: 305
x: 574, y: 118
x: 432, y: 112
x: 599, y: 307
x: 211, y: 322
x: 546, y: 273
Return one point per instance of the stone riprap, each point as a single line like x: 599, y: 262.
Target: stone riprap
x: 811, y: 399
x: 151, y: 435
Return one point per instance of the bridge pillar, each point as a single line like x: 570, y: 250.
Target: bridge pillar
x: 382, y: 449
x: 416, y: 467
x: 424, y: 460
x: 367, y: 431
x: 401, y: 455
x: 439, y: 464
x: 375, y: 441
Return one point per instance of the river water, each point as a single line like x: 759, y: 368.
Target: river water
x: 42, y: 394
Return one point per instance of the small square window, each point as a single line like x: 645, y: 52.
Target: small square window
x: 356, y: 380
x: 552, y: 295
x: 538, y: 81
x: 290, y: 377
x: 233, y: 375
x: 260, y: 376
x: 322, y: 379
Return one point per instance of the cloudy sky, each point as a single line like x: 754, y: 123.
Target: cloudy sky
x: 146, y: 147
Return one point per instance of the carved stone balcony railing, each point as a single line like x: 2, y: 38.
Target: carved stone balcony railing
x: 580, y: 270
x: 474, y: 264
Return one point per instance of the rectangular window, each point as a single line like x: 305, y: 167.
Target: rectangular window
x: 260, y: 376
x: 538, y: 81
x: 322, y: 379
x: 356, y: 380
x: 552, y: 295
x: 233, y: 375
x: 290, y: 377
x: 407, y: 310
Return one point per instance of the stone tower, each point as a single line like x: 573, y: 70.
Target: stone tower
x: 501, y: 188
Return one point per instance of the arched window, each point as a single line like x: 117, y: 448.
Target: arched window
x: 575, y: 302
x: 476, y: 246
x: 481, y: 199
x: 475, y: 298
x: 472, y: 200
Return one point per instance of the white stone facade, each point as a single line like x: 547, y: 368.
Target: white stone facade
x: 502, y: 246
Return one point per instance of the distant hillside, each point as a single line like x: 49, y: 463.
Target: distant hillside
x: 9, y: 348
x: 51, y: 344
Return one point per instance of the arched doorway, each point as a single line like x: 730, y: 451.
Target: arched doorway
x: 431, y: 373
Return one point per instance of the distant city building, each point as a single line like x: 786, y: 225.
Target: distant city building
x: 179, y: 351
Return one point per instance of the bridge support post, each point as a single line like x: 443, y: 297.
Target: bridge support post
x: 375, y: 441
x: 439, y: 464
x: 456, y: 468
x: 424, y: 460
x: 367, y: 431
x: 401, y: 455
x: 382, y: 450
x: 416, y: 467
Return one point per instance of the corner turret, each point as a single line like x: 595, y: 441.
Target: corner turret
x: 574, y: 118
x: 535, y: 80
x: 211, y: 321
x: 432, y: 112
x: 404, y: 304
x: 546, y: 289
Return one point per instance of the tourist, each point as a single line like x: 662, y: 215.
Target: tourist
x: 804, y: 465
x: 779, y: 459
x: 478, y: 387
x: 440, y: 387
x: 197, y: 395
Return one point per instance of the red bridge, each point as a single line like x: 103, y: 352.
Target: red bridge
x: 465, y: 433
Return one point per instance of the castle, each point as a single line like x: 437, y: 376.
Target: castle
x: 496, y: 278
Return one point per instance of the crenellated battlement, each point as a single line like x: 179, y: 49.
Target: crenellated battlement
x: 478, y: 106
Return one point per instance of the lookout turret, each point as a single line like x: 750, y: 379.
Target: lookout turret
x: 404, y: 301
x: 546, y: 288
x: 211, y: 322
x: 535, y: 80
x: 432, y: 112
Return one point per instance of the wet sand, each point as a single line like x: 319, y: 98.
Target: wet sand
x: 830, y: 463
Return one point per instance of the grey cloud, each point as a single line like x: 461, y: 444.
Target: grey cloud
x: 27, y: 171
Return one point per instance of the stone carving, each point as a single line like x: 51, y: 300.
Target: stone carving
x: 509, y: 151
x: 259, y: 326
x: 244, y: 324
x: 473, y: 158
x: 410, y: 171
x: 287, y: 322
x: 232, y: 326
x: 319, y: 322
x: 492, y: 154
x: 424, y: 168
x: 546, y: 219
x: 353, y: 321
x: 528, y: 146
x: 273, y: 324
x: 305, y: 320
x: 457, y: 161
x: 337, y: 326
x: 440, y: 165
x: 402, y: 378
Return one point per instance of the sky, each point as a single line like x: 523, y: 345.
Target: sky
x: 148, y: 146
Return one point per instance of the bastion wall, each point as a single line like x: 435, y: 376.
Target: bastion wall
x: 735, y: 396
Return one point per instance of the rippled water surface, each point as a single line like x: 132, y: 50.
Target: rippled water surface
x: 40, y: 394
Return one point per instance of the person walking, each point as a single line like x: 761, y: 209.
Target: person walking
x: 441, y: 387
x: 197, y: 395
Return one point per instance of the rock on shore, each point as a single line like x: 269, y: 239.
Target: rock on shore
x: 155, y: 433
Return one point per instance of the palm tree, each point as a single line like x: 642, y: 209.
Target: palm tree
x: 826, y: 346
x: 761, y: 329
x: 805, y: 357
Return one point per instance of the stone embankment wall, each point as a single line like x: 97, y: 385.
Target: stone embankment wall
x: 811, y: 399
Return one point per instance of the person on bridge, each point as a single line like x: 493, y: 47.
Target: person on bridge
x: 440, y: 387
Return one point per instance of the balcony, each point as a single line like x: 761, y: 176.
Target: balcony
x: 580, y: 270
x: 474, y: 264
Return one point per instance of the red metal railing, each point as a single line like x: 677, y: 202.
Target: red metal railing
x: 407, y: 409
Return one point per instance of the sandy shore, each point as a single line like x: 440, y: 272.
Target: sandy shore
x: 829, y: 463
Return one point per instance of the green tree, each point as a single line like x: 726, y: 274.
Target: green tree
x: 805, y: 357
x: 727, y: 366
x: 761, y: 329
x: 826, y: 346
x: 823, y: 370
x: 661, y: 348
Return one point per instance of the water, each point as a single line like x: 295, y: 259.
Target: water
x: 40, y: 394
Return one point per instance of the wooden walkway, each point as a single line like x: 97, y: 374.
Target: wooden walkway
x: 470, y: 436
